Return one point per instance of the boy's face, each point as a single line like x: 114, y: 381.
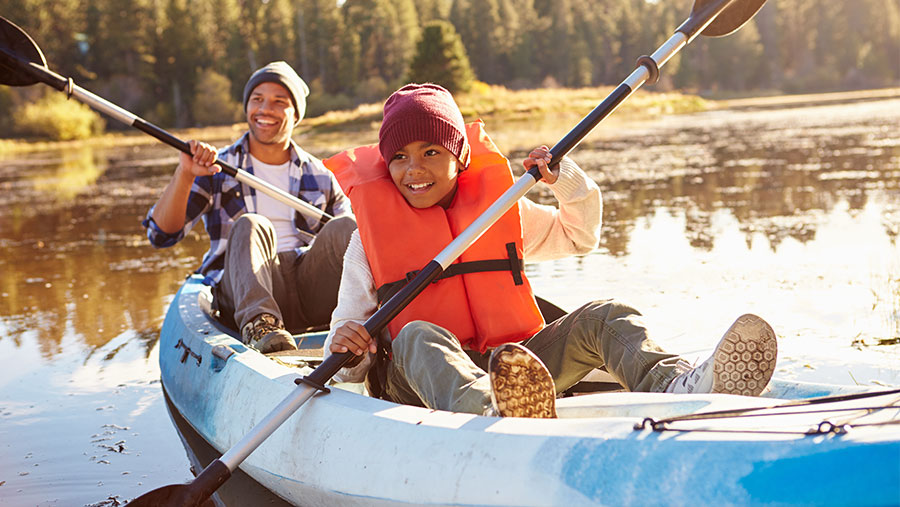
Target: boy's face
x: 425, y: 173
x: 270, y: 113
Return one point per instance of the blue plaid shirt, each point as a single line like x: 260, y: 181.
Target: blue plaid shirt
x: 220, y: 199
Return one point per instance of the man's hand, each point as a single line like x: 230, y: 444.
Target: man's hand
x: 200, y: 163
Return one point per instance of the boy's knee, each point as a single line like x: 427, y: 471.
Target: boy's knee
x: 418, y: 333
x: 606, y: 309
x: 413, y: 331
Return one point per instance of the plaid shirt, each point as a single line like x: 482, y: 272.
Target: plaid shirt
x: 220, y: 199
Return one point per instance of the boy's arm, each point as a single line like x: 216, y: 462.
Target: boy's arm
x: 357, y: 301
x: 573, y: 229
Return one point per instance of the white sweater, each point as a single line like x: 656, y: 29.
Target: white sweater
x: 547, y: 232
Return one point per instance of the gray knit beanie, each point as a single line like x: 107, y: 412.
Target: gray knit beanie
x: 286, y: 76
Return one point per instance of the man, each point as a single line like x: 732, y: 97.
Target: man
x: 273, y: 271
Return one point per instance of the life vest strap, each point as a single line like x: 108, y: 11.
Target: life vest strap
x: 512, y: 263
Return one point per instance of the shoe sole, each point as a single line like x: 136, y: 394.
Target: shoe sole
x: 744, y: 360
x: 521, y: 386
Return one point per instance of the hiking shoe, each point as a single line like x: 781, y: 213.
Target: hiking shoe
x: 521, y: 386
x: 742, y: 363
x: 266, y: 334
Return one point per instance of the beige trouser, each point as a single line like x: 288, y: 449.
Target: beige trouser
x: 430, y: 368
x: 301, y: 290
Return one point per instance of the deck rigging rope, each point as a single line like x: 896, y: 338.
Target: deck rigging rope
x: 822, y: 428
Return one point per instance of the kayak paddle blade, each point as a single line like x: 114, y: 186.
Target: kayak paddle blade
x: 197, y: 493
x: 731, y: 19
x: 17, y: 47
x: 176, y: 495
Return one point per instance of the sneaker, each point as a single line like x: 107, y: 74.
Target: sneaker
x: 266, y: 334
x: 742, y: 363
x: 521, y: 386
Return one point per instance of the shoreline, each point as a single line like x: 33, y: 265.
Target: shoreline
x: 338, y: 129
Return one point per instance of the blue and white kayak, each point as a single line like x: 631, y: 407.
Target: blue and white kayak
x: 810, y: 444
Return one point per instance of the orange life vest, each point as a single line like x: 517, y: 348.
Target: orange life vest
x: 482, y: 309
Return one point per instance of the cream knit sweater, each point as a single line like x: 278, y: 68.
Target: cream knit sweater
x: 548, y: 233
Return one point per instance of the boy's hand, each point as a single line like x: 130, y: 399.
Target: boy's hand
x: 541, y: 157
x: 353, y: 337
x: 201, y: 163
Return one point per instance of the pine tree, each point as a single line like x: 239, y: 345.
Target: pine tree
x: 441, y: 58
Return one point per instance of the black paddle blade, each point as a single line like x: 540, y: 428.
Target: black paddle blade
x: 197, y: 493
x: 731, y: 19
x: 175, y: 496
x: 14, y: 42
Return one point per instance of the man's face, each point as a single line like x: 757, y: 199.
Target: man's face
x: 270, y: 113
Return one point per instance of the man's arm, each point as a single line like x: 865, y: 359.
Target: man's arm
x: 169, y: 213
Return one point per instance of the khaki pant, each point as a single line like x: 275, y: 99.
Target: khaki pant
x: 430, y: 368
x: 301, y: 290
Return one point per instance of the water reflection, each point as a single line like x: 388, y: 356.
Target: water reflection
x: 73, y: 255
x: 79, y: 169
x: 240, y: 488
x: 773, y: 177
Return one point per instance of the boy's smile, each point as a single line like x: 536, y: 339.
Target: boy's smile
x: 425, y: 173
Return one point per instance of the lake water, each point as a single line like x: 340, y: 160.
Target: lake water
x: 790, y: 212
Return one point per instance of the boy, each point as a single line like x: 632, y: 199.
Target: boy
x: 440, y: 175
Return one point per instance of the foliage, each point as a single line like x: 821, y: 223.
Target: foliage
x: 57, y: 118
x: 213, y: 102
x: 441, y: 58
x: 361, y: 50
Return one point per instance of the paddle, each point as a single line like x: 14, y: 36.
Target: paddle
x: 728, y: 15
x: 23, y: 64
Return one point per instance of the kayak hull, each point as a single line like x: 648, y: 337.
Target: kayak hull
x: 345, y: 448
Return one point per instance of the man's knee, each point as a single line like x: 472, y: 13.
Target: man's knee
x: 338, y: 231
x: 250, y: 223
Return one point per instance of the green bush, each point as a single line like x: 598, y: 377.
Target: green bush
x: 56, y: 118
x: 213, y: 103
x: 324, y: 103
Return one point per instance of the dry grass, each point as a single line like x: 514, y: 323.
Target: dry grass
x: 542, y: 112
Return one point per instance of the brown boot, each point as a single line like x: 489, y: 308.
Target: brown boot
x: 521, y: 386
x: 266, y: 334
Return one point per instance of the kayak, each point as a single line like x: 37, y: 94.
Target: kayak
x: 799, y: 443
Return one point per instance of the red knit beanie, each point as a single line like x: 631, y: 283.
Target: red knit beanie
x: 423, y: 112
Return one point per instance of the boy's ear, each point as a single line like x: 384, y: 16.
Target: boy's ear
x: 463, y: 156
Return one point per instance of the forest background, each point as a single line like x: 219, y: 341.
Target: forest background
x: 183, y: 63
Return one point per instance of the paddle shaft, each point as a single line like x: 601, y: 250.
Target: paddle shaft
x: 66, y: 85
x: 648, y: 67
x: 377, y: 322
